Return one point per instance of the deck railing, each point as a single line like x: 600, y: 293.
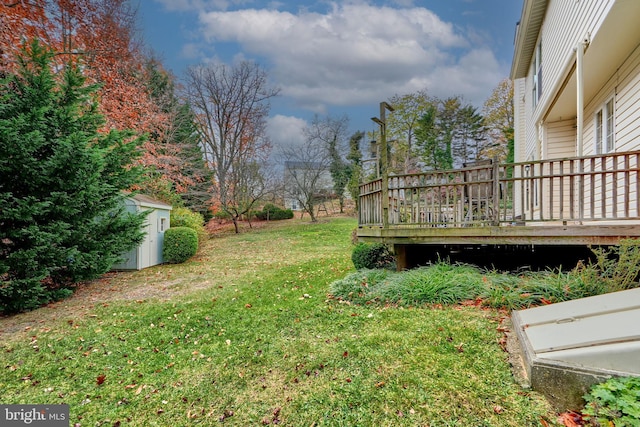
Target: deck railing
x: 578, y: 190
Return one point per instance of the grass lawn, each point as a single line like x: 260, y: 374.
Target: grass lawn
x: 244, y: 334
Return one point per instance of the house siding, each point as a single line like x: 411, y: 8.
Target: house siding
x: 560, y: 139
x: 627, y: 104
x: 565, y: 24
x: 519, y: 118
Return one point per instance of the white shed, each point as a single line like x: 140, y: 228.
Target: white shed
x: 149, y: 252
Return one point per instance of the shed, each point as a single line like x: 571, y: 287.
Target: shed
x: 149, y: 252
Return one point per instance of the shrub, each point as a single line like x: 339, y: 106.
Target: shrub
x: 614, y: 402
x: 371, y: 256
x: 272, y: 212
x: 183, y: 217
x: 180, y: 244
x: 619, y: 266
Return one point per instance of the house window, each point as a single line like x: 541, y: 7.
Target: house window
x: 604, y: 128
x: 537, y: 74
x: 163, y: 224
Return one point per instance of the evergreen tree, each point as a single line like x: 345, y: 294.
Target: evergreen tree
x: 355, y: 165
x: 178, y: 174
x: 471, y: 140
x: 340, y: 172
x: 62, y: 217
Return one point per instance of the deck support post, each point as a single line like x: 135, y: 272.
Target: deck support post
x: 400, y: 252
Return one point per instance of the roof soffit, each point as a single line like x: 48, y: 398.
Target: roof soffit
x: 528, y: 29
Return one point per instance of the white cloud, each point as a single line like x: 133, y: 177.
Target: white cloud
x: 191, y: 51
x: 285, y: 130
x: 358, y: 53
x: 191, y: 5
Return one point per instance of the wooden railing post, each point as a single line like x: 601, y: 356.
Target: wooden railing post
x: 384, y: 161
x: 496, y: 192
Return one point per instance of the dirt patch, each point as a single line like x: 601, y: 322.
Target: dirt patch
x: 110, y: 287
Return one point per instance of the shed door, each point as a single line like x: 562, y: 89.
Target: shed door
x: 151, y: 241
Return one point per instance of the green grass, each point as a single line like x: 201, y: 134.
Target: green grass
x: 247, y: 335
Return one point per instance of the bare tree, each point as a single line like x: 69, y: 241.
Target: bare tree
x: 250, y: 183
x: 231, y: 105
x: 306, y: 175
x: 331, y: 133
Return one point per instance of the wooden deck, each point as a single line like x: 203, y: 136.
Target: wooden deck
x: 590, y: 200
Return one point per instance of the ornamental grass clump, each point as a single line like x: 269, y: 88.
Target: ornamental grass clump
x: 440, y: 283
x: 363, y: 286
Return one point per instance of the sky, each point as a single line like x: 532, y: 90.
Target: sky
x: 334, y: 58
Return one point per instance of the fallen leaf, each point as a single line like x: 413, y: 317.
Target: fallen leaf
x: 498, y: 409
x: 100, y: 379
x: 571, y: 419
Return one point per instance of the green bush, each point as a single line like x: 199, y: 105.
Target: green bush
x: 618, y: 266
x: 272, y: 212
x: 180, y: 244
x: 183, y: 217
x: 372, y: 255
x: 614, y: 402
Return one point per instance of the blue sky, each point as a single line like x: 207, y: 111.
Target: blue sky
x: 341, y: 57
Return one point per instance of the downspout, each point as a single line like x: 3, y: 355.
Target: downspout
x: 582, y: 45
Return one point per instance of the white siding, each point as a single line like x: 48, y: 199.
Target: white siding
x: 560, y: 139
x: 519, y: 117
x: 627, y: 107
x: 624, y: 88
x: 565, y: 24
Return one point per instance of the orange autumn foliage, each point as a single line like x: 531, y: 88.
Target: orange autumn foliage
x: 99, y: 35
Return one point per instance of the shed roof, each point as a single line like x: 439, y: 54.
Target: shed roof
x: 146, y: 201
